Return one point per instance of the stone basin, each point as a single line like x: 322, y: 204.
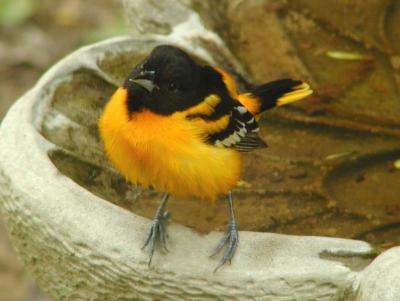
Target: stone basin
x: 64, y: 208
x: 79, y: 227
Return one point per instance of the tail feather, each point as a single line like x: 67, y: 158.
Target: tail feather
x: 276, y: 93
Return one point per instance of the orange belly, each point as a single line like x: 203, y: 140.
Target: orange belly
x: 166, y: 152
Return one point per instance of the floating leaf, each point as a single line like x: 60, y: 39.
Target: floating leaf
x: 397, y: 164
x: 350, y: 56
x: 339, y: 155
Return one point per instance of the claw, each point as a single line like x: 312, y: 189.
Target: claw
x: 157, y: 232
x: 163, y: 239
x: 221, y: 244
x: 230, y: 239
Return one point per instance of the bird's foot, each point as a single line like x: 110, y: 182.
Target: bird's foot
x: 230, y: 241
x: 157, y: 234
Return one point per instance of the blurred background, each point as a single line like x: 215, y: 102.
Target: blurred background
x: 33, y: 36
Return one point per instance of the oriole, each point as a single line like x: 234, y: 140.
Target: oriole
x: 182, y: 128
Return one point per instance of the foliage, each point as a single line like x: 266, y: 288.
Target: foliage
x: 13, y: 12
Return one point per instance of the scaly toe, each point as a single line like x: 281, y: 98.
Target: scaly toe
x: 157, y: 234
x: 230, y: 241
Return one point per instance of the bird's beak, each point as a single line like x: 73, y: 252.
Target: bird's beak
x: 145, y: 79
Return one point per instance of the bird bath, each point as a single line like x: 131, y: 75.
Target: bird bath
x: 79, y: 227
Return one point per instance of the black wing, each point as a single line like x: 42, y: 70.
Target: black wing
x: 224, y: 120
x: 241, y: 131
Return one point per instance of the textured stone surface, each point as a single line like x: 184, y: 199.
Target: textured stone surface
x: 15, y: 285
x: 155, y: 17
x: 81, y: 247
x: 381, y: 279
x: 178, y: 23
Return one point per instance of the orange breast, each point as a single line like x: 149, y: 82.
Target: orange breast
x: 167, y: 153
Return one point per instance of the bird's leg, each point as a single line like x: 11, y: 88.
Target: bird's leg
x: 157, y: 230
x: 231, y: 237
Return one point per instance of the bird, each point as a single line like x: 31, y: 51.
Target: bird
x: 182, y: 128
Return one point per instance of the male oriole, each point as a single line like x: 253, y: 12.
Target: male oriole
x: 182, y: 128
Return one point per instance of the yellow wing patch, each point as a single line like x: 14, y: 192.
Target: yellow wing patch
x: 251, y: 102
x: 229, y: 82
x: 212, y: 126
x: 206, y: 107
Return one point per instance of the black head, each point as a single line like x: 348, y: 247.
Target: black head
x: 168, y: 80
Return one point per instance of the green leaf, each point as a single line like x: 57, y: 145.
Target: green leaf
x: 13, y: 12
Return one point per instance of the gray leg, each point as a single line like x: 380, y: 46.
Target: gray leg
x: 230, y: 239
x: 157, y: 229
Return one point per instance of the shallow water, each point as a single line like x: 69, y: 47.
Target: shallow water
x: 313, y: 179
x: 329, y: 169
